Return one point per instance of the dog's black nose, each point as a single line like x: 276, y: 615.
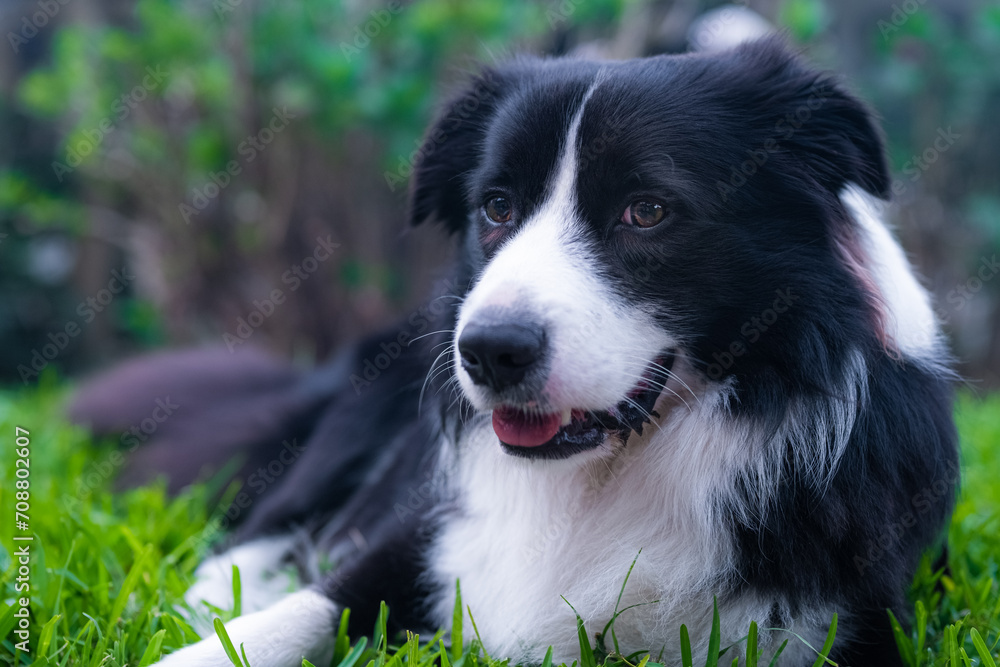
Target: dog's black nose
x: 500, y: 355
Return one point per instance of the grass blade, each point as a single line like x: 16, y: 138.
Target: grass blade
x: 777, y: 654
x: 686, y: 659
x: 586, y: 651
x: 479, y: 640
x: 902, y: 641
x: 715, y: 637
x: 920, y: 626
x: 828, y: 644
x: 152, y: 652
x: 237, y: 593
x: 752, y: 645
x: 180, y: 632
x: 412, y: 649
x: 456, y: 624
x: 7, y: 620
x: 380, y: 638
x: 354, y: 654
x: 227, y: 643
x: 951, y: 644
x: 343, y: 642
x: 45, y: 638
x: 615, y: 614
x: 981, y: 649
x: 131, y: 581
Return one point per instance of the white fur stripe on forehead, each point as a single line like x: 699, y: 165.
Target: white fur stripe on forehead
x: 598, y: 343
x: 909, y: 321
x: 565, y: 176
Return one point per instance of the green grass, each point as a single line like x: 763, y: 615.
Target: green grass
x: 108, y: 570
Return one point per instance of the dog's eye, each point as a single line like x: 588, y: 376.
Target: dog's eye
x: 498, y: 209
x: 644, y: 213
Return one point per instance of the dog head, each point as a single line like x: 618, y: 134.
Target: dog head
x: 622, y: 220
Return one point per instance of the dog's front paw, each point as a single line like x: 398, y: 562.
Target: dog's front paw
x: 300, y: 626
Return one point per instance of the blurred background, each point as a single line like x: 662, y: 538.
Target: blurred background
x: 175, y: 172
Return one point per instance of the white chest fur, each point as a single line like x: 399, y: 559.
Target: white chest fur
x: 533, y: 532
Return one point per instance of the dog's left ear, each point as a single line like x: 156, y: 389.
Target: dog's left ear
x: 450, y: 150
x: 811, y: 117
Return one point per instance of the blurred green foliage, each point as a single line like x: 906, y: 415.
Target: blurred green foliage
x: 163, y: 120
x: 336, y: 66
x: 804, y: 19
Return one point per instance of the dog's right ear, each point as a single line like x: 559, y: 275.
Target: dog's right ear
x: 449, y: 151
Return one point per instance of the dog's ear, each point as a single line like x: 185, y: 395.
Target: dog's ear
x: 450, y: 150
x: 810, y: 116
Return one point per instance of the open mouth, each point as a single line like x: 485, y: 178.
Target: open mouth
x: 562, y: 434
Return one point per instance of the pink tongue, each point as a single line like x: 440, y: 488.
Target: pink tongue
x: 514, y: 427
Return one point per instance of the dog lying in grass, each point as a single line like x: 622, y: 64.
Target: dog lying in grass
x: 677, y: 324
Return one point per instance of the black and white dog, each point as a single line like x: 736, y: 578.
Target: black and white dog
x: 677, y: 324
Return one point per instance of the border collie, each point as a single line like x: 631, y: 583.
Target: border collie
x: 677, y: 325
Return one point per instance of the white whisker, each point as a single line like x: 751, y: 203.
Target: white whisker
x: 441, y: 331
x: 420, y: 399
